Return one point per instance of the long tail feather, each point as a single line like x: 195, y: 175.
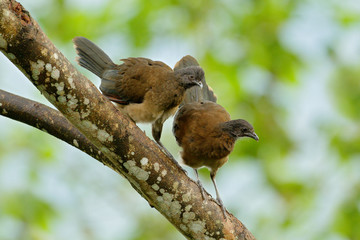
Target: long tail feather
x: 91, y: 56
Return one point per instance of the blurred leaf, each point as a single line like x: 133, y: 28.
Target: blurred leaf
x: 346, y: 89
x: 28, y: 208
x: 347, y: 146
x: 348, y: 217
x: 163, y: 230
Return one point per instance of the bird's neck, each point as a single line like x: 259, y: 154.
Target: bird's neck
x: 231, y: 128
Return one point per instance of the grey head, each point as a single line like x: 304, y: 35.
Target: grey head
x: 239, y: 128
x: 190, y: 76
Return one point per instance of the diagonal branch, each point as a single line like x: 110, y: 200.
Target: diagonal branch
x: 48, y: 120
x: 159, y: 180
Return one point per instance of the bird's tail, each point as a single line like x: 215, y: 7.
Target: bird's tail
x: 91, y: 56
x: 195, y: 94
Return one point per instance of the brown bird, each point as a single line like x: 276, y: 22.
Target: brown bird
x: 147, y: 91
x: 207, y: 135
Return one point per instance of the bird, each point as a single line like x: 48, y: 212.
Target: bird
x: 207, y: 135
x: 195, y: 94
x: 147, y: 91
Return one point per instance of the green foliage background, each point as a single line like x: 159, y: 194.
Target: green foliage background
x: 289, y: 67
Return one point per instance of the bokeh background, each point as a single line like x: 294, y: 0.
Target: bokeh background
x: 292, y: 68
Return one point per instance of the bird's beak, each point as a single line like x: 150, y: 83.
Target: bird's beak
x: 252, y: 135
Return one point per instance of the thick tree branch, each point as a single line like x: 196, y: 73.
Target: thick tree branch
x: 48, y: 120
x: 156, y: 177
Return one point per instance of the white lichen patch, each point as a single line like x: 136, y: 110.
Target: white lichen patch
x: 86, y: 101
x: 175, y: 208
x: 175, y: 185
x: 155, y: 187
x: 0, y: 104
x: 84, y: 114
x: 104, y: 136
x: 171, y: 207
x: 89, y: 126
x: 183, y: 227
x: 3, y: 42
x: 144, y: 161
x: 188, y: 208
x: 211, y: 238
x: 159, y: 179
x: 62, y: 99
x: 156, y: 167
x: 188, y: 216
x: 163, y: 173
x: 36, y: 68
x: 56, y: 56
x: 72, y: 101
x: 162, y: 191
x: 197, y: 227
x: 186, y: 197
x: 59, y: 88
x: 48, y: 67
x: 136, y: 171
x: 76, y: 144
x: 44, y: 52
x: 55, y: 73
x: 168, y: 197
x: 8, y: 14
x: 132, y: 153
x: 72, y: 85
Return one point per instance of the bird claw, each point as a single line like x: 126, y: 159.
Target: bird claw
x: 201, y: 190
x: 219, y: 201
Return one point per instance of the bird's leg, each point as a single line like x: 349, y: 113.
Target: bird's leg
x: 156, y: 129
x: 200, y: 185
x: 212, y: 175
x: 167, y: 153
x: 156, y: 132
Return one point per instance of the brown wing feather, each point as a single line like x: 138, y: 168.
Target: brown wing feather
x: 133, y: 79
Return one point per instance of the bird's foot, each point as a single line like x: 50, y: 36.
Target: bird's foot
x: 201, y: 190
x: 219, y: 201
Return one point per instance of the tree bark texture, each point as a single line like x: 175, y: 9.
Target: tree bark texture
x: 102, y: 131
x: 48, y: 120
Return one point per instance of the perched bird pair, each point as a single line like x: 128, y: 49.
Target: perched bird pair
x: 150, y: 91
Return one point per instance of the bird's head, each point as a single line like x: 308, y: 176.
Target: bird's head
x: 239, y: 128
x: 190, y: 76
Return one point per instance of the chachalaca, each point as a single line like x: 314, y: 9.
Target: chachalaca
x: 206, y: 133
x: 147, y: 91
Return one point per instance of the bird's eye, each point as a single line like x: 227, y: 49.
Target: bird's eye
x: 191, y: 77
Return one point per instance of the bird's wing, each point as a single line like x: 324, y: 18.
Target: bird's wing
x: 195, y: 94
x: 130, y: 81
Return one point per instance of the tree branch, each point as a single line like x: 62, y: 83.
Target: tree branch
x: 48, y: 120
x: 128, y: 150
